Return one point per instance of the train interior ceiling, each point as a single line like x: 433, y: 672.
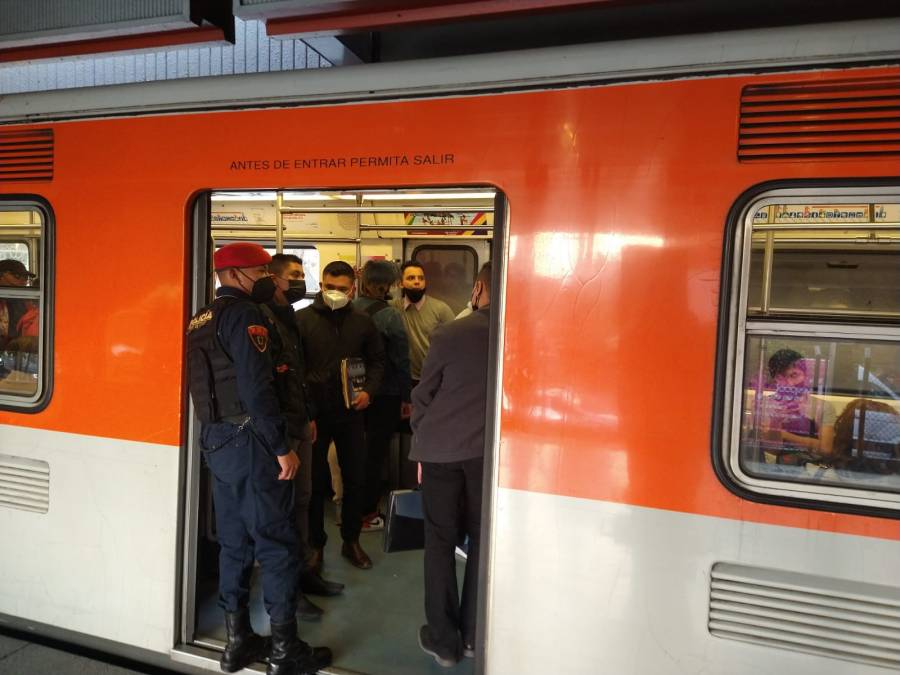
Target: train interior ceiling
x: 372, y: 626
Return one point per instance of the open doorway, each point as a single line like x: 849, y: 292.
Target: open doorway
x: 372, y: 626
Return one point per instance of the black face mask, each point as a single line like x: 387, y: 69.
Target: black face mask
x: 263, y: 289
x: 296, y: 290
x: 414, y: 294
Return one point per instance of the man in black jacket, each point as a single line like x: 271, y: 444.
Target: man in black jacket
x: 284, y: 338
x: 331, y: 330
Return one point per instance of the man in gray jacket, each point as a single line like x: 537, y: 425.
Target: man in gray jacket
x: 448, y: 420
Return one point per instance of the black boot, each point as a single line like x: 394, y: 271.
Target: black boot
x: 313, y: 584
x: 290, y: 655
x: 244, y: 646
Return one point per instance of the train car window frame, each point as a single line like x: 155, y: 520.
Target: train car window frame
x: 739, y: 324
x: 40, y: 263
x: 447, y: 247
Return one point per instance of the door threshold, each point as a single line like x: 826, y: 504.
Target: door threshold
x: 207, y: 658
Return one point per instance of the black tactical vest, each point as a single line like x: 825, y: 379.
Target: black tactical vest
x: 212, y: 378
x: 284, y: 345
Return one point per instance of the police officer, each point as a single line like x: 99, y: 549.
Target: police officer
x: 231, y: 377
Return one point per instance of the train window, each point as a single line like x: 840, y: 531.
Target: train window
x: 813, y: 365
x: 15, y: 250
x: 22, y: 305
x: 851, y: 271
x: 449, y: 272
x: 822, y: 411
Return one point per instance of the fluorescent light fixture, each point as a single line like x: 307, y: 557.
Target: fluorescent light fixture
x: 317, y: 197
x: 243, y: 196
x: 271, y: 196
x: 430, y: 196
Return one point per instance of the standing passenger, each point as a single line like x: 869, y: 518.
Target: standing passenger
x: 448, y: 421
x: 231, y: 378
x: 331, y: 330
x: 422, y: 314
x: 392, y: 401
x: 290, y: 286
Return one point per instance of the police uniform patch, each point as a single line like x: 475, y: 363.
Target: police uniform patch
x: 259, y: 336
x: 199, y: 320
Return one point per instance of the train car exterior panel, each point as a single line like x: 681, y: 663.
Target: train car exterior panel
x: 619, y: 197
x: 620, y: 573
x: 106, y: 545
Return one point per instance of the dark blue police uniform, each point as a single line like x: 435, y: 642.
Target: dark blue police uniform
x: 254, y: 510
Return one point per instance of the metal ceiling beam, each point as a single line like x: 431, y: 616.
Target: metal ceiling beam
x: 35, y: 22
x: 40, y: 29
x: 365, y: 16
x: 191, y: 37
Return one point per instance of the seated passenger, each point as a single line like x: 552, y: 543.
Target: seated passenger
x: 798, y: 427
x: 879, y: 449
x: 18, y: 316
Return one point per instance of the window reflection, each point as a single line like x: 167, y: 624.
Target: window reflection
x: 822, y: 411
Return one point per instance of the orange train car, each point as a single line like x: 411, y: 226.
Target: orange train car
x: 694, y: 453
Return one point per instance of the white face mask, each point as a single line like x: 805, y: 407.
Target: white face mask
x: 335, y: 299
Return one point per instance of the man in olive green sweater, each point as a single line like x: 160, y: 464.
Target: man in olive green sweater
x: 421, y: 314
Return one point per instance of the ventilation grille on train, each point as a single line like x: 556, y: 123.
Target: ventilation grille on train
x: 24, y: 484
x: 847, y: 620
x: 26, y: 155
x: 842, y: 119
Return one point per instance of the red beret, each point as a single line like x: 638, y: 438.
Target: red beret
x: 240, y: 254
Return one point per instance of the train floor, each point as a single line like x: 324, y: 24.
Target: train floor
x: 372, y: 626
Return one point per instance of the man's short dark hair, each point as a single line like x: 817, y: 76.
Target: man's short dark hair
x: 280, y: 262
x: 411, y: 263
x: 377, y: 277
x: 782, y: 360
x: 338, y: 268
x: 484, y: 274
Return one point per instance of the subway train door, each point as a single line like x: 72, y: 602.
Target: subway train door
x: 450, y: 232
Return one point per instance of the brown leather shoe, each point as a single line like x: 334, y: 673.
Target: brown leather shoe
x: 353, y: 552
x: 316, y: 559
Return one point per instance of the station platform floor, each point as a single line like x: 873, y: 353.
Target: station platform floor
x: 19, y: 655
x: 372, y: 627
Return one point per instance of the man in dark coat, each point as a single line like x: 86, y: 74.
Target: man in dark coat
x: 290, y: 287
x: 331, y: 330
x: 392, y: 401
x: 448, y: 420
